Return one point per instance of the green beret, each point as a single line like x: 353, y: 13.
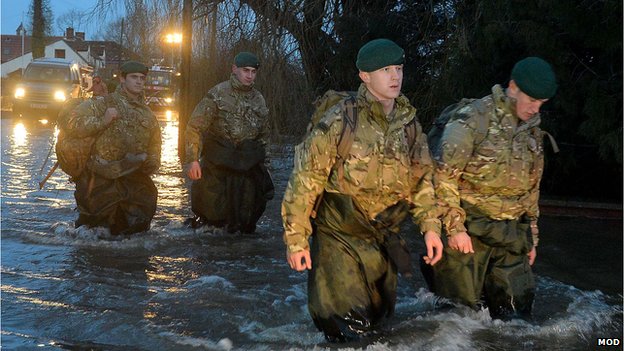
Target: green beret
x: 379, y: 53
x: 535, y: 78
x: 246, y: 59
x: 133, y: 67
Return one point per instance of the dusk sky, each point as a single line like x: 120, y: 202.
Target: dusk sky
x: 13, y: 12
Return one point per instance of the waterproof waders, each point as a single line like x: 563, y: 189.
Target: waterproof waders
x: 352, y: 284
x: 234, y: 186
x: 125, y: 205
x: 497, y: 274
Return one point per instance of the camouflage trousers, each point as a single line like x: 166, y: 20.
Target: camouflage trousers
x: 498, y: 274
x: 125, y: 205
x: 352, y: 284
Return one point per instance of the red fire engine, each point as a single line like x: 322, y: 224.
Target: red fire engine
x: 160, y: 87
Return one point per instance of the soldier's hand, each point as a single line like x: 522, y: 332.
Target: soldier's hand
x: 300, y: 260
x: 434, y: 248
x: 110, y: 115
x: 532, y: 255
x: 461, y: 242
x: 194, y: 170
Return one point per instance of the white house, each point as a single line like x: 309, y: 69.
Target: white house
x: 57, y: 49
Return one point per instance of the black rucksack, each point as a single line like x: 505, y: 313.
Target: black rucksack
x: 449, y: 114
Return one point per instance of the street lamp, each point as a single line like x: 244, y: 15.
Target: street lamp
x: 173, y: 38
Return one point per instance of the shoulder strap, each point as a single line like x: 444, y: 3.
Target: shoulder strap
x: 349, y: 124
x: 410, y: 132
x: 347, y: 136
x: 482, y: 119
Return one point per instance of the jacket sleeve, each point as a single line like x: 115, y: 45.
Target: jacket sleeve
x: 153, y: 151
x: 263, y: 111
x: 457, y: 147
x: 87, y: 118
x: 425, y: 211
x: 313, y: 161
x: 531, y: 201
x: 201, y: 118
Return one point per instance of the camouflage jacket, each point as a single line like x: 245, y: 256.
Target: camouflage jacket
x: 231, y: 111
x: 378, y: 172
x: 498, y: 178
x: 130, y: 142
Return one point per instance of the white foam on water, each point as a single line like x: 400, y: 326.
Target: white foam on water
x: 224, y: 344
x: 66, y: 234
x: 212, y: 281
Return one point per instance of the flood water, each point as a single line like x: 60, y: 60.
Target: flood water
x: 174, y: 288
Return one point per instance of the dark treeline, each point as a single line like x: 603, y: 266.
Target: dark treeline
x: 455, y: 49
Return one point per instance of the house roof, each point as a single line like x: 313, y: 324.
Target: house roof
x: 11, y: 45
x: 11, y: 48
x: 98, y: 47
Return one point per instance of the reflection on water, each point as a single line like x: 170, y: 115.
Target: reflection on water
x: 173, y: 288
x: 20, y: 135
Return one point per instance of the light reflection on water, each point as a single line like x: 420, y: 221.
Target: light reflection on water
x: 176, y: 289
x: 20, y: 135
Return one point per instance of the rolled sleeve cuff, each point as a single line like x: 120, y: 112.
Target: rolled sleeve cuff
x: 431, y: 224
x: 458, y: 228
x: 295, y: 240
x: 454, y: 221
x: 297, y: 247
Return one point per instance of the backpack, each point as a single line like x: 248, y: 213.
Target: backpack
x: 449, y: 114
x: 73, y: 153
x: 348, y: 99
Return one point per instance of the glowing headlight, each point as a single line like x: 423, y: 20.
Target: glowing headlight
x: 59, y: 95
x: 168, y: 100
x: 20, y: 93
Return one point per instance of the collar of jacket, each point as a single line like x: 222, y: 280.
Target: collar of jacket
x: 124, y: 95
x: 237, y: 85
x: 506, y: 106
x: 402, y: 113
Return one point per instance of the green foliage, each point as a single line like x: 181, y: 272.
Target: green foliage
x: 458, y: 49
x: 41, y: 23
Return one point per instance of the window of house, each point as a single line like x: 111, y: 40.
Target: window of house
x: 6, y: 51
x: 59, y: 53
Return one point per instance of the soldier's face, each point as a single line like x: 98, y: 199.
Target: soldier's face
x: 245, y: 75
x: 133, y: 82
x: 526, y: 106
x: 384, y: 83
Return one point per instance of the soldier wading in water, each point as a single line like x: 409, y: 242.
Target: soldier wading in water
x: 490, y: 185
x: 116, y: 191
x: 229, y: 129
x: 352, y: 282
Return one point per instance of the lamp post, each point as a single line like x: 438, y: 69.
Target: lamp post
x: 173, y: 38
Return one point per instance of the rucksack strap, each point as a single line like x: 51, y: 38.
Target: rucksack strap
x: 349, y: 108
x: 482, y: 119
x: 553, y: 143
x: 410, y: 133
x: 345, y: 141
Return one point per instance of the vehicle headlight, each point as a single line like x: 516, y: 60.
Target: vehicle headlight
x: 20, y: 93
x: 59, y: 95
x: 168, y: 100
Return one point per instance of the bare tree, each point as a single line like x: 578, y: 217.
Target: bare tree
x: 72, y: 18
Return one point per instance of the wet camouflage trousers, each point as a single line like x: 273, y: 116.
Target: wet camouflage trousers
x: 352, y: 284
x: 498, y: 273
x: 125, y: 205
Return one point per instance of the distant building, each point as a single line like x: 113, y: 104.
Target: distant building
x: 103, y: 56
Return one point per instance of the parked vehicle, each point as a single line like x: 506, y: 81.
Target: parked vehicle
x: 45, y: 86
